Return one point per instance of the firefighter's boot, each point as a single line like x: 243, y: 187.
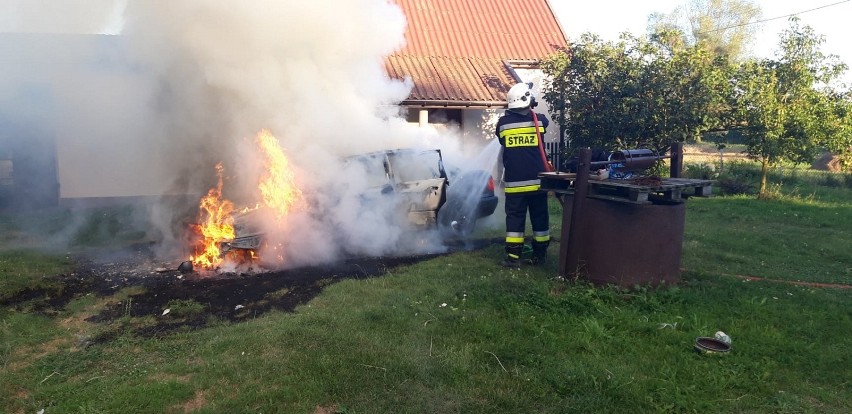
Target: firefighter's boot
x: 539, y: 253
x: 513, y: 255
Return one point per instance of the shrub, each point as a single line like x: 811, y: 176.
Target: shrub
x: 835, y: 180
x: 702, y: 171
x: 832, y: 180
x: 738, y: 178
x: 733, y: 186
x: 744, y: 170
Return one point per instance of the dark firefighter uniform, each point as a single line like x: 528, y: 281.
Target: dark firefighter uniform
x: 522, y: 162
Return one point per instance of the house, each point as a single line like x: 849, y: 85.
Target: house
x: 463, y: 55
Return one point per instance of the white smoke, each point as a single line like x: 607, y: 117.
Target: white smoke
x: 61, y: 16
x: 187, y: 84
x: 311, y: 72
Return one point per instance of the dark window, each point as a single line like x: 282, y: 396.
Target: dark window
x: 440, y: 116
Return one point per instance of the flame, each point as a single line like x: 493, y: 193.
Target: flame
x: 278, y: 192
x: 217, y: 224
x: 278, y: 184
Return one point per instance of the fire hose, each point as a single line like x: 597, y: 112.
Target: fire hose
x: 547, y: 165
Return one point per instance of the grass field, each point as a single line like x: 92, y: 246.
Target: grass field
x: 460, y: 334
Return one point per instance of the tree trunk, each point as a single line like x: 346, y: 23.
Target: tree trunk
x: 764, y: 171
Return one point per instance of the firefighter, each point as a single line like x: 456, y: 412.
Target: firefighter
x: 523, y: 160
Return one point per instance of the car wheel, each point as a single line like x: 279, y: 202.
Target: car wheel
x: 454, y: 222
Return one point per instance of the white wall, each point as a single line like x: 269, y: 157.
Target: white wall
x: 106, y: 144
x: 100, y: 112
x: 478, y: 127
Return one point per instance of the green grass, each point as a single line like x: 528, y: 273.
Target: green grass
x: 62, y: 229
x: 802, y: 233
x: 777, y: 239
x: 458, y: 333
x: 187, y: 307
x: 22, y: 270
x: 506, y: 341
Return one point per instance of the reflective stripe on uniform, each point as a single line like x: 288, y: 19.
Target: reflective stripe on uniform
x: 520, y: 131
x: 522, y: 186
x: 541, y: 236
x: 520, y: 134
x: 523, y: 140
x: 514, y: 237
x: 524, y: 189
x: 522, y: 183
x: 515, y: 125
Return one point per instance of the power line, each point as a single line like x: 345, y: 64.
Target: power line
x: 773, y: 18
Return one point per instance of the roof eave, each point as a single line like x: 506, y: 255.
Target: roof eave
x: 431, y: 103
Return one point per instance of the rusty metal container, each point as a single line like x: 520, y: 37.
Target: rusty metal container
x: 628, y: 244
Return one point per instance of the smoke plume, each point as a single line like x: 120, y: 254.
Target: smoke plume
x: 180, y: 86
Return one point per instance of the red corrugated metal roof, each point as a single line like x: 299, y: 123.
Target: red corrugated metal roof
x: 455, y: 49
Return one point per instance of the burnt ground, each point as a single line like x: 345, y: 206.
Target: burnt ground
x: 193, y: 299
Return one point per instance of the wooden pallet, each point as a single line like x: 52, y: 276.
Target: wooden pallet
x: 669, y: 189
x: 625, y: 191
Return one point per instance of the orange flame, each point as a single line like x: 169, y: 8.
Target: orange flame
x: 279, y: 194
x: 217, y: 224
x: 278, y: 184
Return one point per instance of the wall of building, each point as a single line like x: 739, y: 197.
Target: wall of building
x: 106, y: 145
x: 93, y: 109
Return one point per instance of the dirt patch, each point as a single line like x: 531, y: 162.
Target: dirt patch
x: 710, y: 154
x: 197, y: 402
x: 331, y: 409
x: 161, y: 302
x: 791, y: 282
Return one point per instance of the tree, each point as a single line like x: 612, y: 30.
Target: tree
x: 788, y: 108
x: 722, y: 27
x: 762, y: 109
x: 839, y: 122
x: 633, y: 93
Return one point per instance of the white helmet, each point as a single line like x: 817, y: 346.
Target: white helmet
x: 520, y: 96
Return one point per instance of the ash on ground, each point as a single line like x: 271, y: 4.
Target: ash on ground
x: 145, y: 296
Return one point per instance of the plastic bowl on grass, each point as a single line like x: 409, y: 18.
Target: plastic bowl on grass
x: 711, y: 346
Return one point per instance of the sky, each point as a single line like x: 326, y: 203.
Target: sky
x: 609, y: 18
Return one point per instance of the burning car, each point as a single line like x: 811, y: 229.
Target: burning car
x: 416, y: 182
x: 412, y: 183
